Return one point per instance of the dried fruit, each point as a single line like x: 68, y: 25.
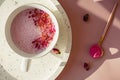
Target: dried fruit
x: 56, y: 51
x: 86, y: 66
x: 86, y: 17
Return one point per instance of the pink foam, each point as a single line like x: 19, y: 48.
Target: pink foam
x: 24, y: 31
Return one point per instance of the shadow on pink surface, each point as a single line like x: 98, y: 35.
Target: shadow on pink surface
x: 85, y: 34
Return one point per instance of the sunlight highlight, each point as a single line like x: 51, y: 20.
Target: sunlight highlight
x: 116, y: 23
x: 92, y: 7
x: 113, y: 50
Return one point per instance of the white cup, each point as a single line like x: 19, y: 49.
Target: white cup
x: 25, y: 55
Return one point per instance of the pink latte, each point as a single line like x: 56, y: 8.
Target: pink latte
x: 32, y: 30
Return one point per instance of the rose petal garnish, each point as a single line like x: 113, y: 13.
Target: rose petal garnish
x: 42, y: 20
x: 56, y: 51
x: 86, y: 66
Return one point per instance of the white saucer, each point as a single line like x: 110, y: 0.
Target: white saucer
x: 47, y: 67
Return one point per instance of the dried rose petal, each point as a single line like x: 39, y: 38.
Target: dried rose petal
x: 86, y: 17
x: 30, y: 12
x: 86, y: 66
x: 37, y: 43
x: 56, y: 51
x: 42, y: 20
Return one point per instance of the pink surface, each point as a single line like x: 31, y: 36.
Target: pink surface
x: 85, y: 34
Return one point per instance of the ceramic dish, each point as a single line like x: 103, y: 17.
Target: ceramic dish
x: 45, y: 68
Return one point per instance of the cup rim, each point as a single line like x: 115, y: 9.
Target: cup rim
x: 8, y: 27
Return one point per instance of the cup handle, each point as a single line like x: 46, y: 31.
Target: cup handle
x: 24, y: 64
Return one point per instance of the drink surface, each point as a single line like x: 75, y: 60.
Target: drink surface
x: 32, y: 30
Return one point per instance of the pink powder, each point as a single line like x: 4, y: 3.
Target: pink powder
x: 29, y: 34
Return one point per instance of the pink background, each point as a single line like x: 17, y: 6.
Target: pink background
x: 87, y: 33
